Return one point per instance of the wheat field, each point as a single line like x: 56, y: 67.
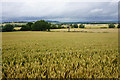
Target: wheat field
x: 35, y: 54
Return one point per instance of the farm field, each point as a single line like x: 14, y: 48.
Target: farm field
x: 93, y: 26
x: 86, y: 30
x: 35, y: 54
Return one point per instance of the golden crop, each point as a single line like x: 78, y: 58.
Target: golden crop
x: 59, y: 55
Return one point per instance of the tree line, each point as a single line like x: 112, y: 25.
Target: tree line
x: 42, y: 25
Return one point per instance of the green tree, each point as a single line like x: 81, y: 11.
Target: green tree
x: 70, y: 24
x: 118, y: 26
x: 75, y: 26
x: 41, y: 26
x: 81, y: 26
x: 59, y: 26
x: 53, y: 26
x: 7, y: 28
x: 49, y: 26
x: 29, y: 24
x: 25, y: 28
x: 111, y: 25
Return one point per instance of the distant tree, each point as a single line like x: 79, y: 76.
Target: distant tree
x: 53, y: 26
x: 25, y: 28
x: 59, y: 26
x: 70, y: 24
x: 7, y: 28
x: 17, y: 25
x: 29, y: 24
x: 111, y: 25
x: 68, y: 28
x: 81, y: 26
x: 1, y: 28
x: 41, y: 26
x: 49, y: 26
x: 75, y: 26
x: 118, y: 26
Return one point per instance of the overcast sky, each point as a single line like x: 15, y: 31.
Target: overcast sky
x: 61, y: 10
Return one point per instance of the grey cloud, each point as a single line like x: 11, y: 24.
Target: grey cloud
x: 61, y: 11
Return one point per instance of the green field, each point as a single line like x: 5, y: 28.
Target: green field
x: 59, y: 55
